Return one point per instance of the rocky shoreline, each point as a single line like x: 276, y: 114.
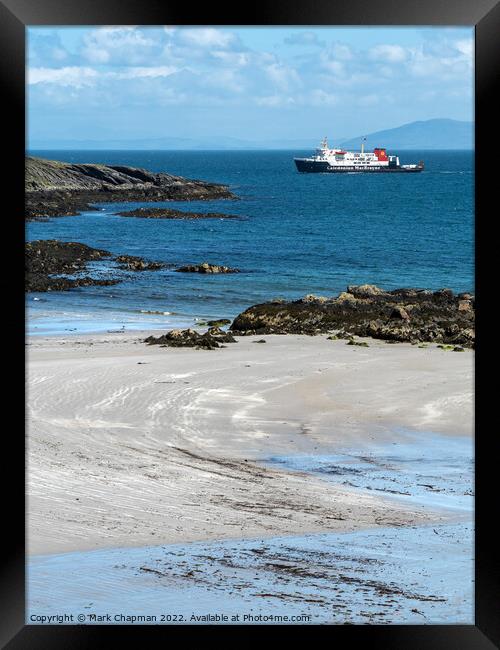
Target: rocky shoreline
x: 49, y: 259
x: 56, y: 188
x: 213, y: 338
x: 205, y: 267
x: 417, y: 316
x: 401, y: 315
x: 170, y: 213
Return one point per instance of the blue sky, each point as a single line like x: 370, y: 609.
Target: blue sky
x: 256, y: 83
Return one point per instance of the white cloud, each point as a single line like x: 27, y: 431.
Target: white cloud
x: 274, y: 101
x: 141, y: 72
x: 335, y: 67
x: 440, y: 68
x: 207, y: 66
x: 303, y: 38
x: 341, y: 52
x: 282, y: 77
x: 74, y: 76
x: 389, y: 53
x: 206, y: 37
x: 117, y: 44
x: 465, y: 47
x: 227, y: 80
x: 236, y: 59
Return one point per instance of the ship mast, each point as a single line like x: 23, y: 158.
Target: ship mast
x: 363, y: 145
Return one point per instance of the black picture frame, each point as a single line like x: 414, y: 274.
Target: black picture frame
x: 15, y: 15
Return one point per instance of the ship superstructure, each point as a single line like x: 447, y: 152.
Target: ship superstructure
x: 326, y: 159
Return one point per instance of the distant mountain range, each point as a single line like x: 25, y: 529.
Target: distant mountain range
x: 428, y: 134
x: 171, y: 143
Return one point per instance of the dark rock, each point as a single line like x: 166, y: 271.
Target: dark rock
x: 316, y: 299
x: 133, y: 263
x: 219, y: 323
x: 465, y: 305
x: 52, y: 256
x: 47, y: 260
x: 56, y: 188
x: 189, y: 338
x: 401, y: 315
x: 205, y: 267
x: 39, y: 206
x: 169, y: 213
x: 364, y: 290
x: 220, y: 335
x: 443, y: 294
x: 39, y: 282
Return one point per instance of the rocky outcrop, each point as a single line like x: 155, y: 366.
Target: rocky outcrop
x: 134, y: 263
x: 411, y: 315
x: 205, y: 267
x: 210, y: 340
x: 56, y: 188
x: 47, y: 260
x: 53, y: 256
x: 39, y: 206
x: 220, y: 322
x: 170, y: 213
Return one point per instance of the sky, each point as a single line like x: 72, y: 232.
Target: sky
x: 251, y: 83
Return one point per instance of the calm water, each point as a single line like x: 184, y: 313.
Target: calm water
x: 298, y: 234
x: 387, y: 574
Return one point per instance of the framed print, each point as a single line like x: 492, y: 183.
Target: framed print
x: 252, y: 245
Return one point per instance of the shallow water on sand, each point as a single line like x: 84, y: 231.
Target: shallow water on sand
x: 391, y: 574
x: 419, y: 468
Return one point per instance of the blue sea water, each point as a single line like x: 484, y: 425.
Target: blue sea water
x: 297, y: 234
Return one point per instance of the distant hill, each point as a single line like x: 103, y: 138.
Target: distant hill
x: 170, y: 143
x: 428, y: 134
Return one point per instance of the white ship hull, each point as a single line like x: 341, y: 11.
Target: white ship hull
x: 336, y: 161
x: 310, y: 165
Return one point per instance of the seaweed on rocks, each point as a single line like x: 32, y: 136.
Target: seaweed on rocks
x: 400, y: 315
x: 55, y: 188
x: 205, y: 267
x: 170, y: 213
x: 52, y: 265
x: 134, y: 263
x: 189, y: 338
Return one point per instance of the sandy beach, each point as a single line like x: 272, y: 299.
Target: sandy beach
x: 132, y: 445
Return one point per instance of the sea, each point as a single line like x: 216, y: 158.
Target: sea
x: 296, y: 234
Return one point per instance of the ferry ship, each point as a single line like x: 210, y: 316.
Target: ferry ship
x: 338, y: 160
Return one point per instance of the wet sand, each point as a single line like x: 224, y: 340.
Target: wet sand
x: 132, y: 445
x: 410, y: 575
x: 317, y: 453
